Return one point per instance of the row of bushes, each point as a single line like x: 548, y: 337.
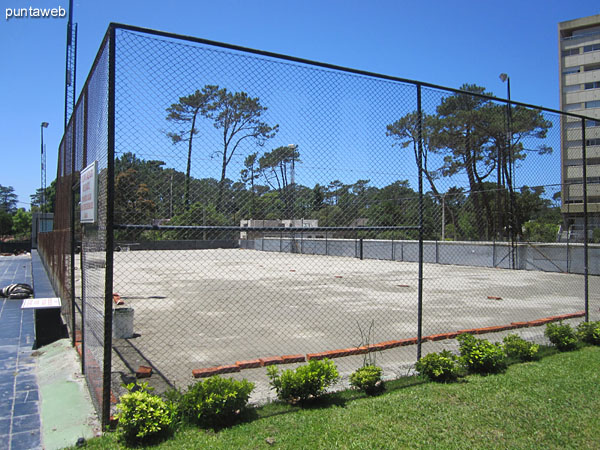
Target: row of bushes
x: 218, y: 402
x: 482, y: 356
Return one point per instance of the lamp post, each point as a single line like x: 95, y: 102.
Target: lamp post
x: 43, y: 167
x: 444, y: 216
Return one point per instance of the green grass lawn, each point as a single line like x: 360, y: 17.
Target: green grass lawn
x: 551, y: 403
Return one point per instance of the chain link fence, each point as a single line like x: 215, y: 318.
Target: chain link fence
x: 258, y: 209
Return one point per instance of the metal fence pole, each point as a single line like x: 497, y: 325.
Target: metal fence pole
x: 82, y: 306
x: 568, y: 252
x: 72, y: 229
x: 420, y: 169
x: 73, y: 305
x: 110, y: 194
x: 585, y: 225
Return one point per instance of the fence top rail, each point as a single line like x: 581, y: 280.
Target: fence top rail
x: 169, y: 35
x: 237, y: 228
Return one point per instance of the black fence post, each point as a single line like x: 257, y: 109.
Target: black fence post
x: 72, y: 230
x: 568, y: 251
x: 82, y: 305
x: 420, y: 169
x: 585, y: 225
x: 73, y: 304
x: 110, y: 196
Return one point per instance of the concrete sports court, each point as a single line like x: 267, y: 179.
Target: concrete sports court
x: 195, y: 309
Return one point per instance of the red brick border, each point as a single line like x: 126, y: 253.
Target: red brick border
x: 386, y: 345
x: 143, y: 372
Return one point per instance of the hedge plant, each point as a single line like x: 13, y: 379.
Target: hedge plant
x: 216, y: 401
x: 589, y: 332
x: 307, y: 381
x: 480, y: 355
x: 563, y: 336
x: 442, y: 366
x: 143, y: 417
x: 367, y: 379
x: 517, y: 347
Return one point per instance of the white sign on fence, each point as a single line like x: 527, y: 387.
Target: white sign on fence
x: 88, y: 187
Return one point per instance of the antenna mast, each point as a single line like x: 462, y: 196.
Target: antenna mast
x: 71, y: 66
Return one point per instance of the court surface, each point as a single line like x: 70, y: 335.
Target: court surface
x: 196, y: 309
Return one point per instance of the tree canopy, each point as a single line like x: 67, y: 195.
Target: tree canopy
x: 467, y: 134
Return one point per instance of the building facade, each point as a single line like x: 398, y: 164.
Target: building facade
x: 579, y: 66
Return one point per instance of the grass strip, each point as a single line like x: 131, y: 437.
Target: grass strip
x: 552, y: 403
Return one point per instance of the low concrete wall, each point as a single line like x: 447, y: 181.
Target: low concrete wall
x: 549, y: 257
x: 175, y: 245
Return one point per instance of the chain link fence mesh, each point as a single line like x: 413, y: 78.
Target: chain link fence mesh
x: 267, y: 210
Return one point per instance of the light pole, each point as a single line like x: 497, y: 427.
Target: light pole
x: 43, y: 166
x: 444, y: 216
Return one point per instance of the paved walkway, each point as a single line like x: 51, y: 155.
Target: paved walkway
x: 20, y: 424
x: 44, y: 402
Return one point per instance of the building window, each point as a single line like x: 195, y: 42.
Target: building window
x: 571, y: 52
x: 591, y: 48
x: 573, y: 106
x: 593, y: 85
x: 571, y: 88
x: 592, y: 123
x: 591, y: 67
x: 570, y: 70
x: 592, y: 104
x: 592, y: 142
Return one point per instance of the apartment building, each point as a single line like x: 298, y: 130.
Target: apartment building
x: 579, y: 65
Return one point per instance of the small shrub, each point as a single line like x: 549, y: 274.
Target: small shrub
x: 367, y: 379
x: 215, y: 401
x: 308, y: 381
x: 480, y: 355
x: 439, y: 366
x: 517, y: 347
x: 142, y: 416
x: 589, y: 332
x: 561, y: 335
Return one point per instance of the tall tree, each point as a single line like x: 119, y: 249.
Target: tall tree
x: 49, y: 195
x: 239, y: 118
x: 22, y: 224
x: 6, y: 223
x: 471, y: 133
x: 185, y: 112
x: 276, y: 167
x: 249, y: 174
x: 8, y: 199
x: 405, y: 132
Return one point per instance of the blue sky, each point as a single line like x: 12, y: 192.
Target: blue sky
x: 446, y: 43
